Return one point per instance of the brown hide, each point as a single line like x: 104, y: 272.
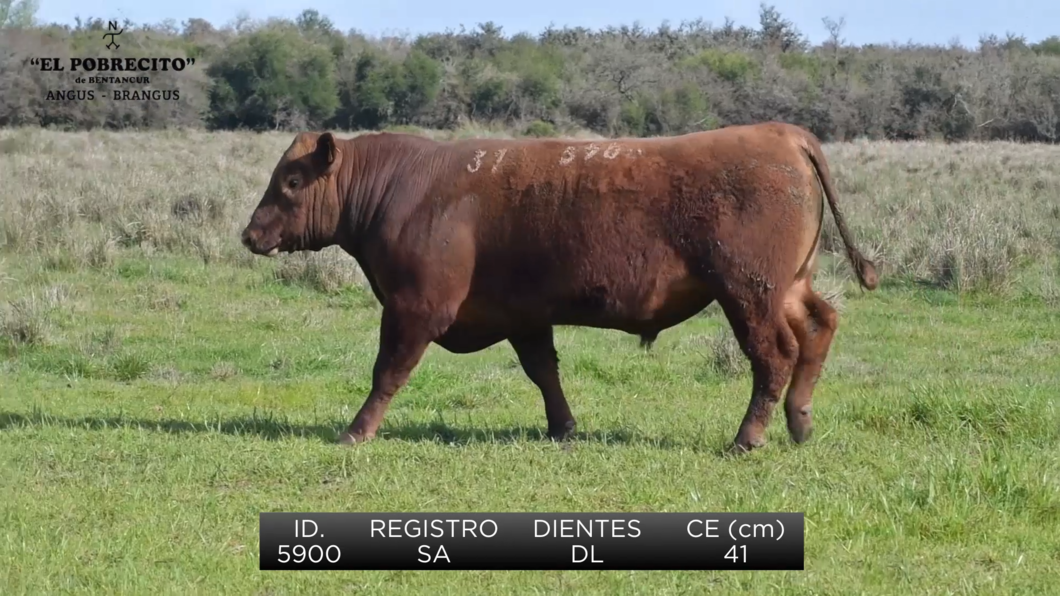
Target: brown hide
x: 473, y: 242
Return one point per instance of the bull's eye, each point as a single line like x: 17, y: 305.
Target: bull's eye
x: 292, y: 183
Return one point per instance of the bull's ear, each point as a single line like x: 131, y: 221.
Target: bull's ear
x: 327, y: 153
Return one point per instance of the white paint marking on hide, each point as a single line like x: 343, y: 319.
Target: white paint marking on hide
x: 500, y: 158
x: 568, y: 156
x: 479, y: 154
x: 612, y: 151
x: 591, y: 150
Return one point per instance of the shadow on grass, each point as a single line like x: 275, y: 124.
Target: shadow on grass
x: 259, y: 426
x: 273, y: 429
x: 443, y: 433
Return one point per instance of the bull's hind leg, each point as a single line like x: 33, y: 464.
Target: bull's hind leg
x: 769, y: 343
x: 814, y: 323
x: 537, y: 355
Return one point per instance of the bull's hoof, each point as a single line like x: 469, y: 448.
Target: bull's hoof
x: 800, y: 434
x: 562, y: 433
x: 348, y: 438
x: 743, y: 446
x: 800, y: 425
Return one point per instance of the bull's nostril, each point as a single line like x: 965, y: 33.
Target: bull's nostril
x: 245, y: 237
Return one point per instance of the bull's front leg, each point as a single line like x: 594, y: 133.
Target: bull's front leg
x: 405, y: 333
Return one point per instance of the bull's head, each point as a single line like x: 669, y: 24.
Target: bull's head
x: 301, y: 207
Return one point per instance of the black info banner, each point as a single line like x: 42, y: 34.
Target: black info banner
x: 532, y: 541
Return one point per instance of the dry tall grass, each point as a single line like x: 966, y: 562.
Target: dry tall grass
x: 966, y: 217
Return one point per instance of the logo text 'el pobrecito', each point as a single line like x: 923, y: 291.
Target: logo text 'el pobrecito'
x: 113, y: 66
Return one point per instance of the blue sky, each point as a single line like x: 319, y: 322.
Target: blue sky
x: 926, y: 21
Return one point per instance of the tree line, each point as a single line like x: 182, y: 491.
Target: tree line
x: 624, y: 80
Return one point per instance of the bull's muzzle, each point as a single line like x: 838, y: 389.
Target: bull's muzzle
x: 251, y: 238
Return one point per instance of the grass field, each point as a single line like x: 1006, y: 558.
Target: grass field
x: 159, y: 387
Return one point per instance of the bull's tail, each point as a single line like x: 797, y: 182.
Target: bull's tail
x: 863, y: 268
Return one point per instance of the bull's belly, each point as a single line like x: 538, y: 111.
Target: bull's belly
x: 485, y: 319
x: 462, y: 338
x: 644, y: 312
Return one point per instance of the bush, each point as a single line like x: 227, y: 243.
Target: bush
x: 271, y: 79
x: 540, y: 129
x: 302, y: 74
